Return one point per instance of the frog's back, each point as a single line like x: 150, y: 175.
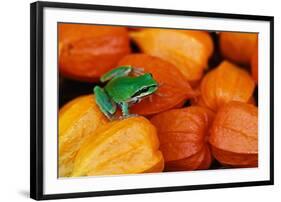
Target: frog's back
x: 121, y: 88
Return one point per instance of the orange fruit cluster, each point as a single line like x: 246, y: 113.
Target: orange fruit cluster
x: 203, y: 114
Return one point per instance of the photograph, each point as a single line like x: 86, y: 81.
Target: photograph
x: 143, y: 100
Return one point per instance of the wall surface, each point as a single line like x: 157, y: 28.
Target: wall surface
x: 14, y: 101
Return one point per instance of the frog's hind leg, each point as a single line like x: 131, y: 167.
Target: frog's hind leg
x: 106, y: 105
x: 118, y: 72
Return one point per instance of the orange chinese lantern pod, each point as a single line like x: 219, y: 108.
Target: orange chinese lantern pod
x: 173, y: 88
x: 127, y: 146
x: 188, y: 50
x: 135, y: 28
x: 238, y: 47
x: 254, y: 65
x: 225, y: 83
x: 252, y: 101
x: 183, y: 135
x: 88, y: 51
x: 234, y: 135
x: 78, y: 119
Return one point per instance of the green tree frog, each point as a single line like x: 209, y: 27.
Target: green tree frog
x: 123, y: 90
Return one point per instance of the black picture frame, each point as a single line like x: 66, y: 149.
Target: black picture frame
x: 36, y: 98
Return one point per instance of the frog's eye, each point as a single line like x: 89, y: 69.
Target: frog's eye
x: 144, y: 90
x: 141, y: 91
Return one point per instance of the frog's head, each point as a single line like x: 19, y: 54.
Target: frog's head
x: 145, y: 85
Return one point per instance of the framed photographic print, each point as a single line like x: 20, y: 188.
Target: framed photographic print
x: 134, y: 100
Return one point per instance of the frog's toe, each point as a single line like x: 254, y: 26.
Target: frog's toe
x: 137, y: 71
x: 160, y: 94
x: 128, y: 116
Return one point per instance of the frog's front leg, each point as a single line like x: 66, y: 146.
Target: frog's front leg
x: 118, y: 72
x: 106, y: 105
x: 125, y: 108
